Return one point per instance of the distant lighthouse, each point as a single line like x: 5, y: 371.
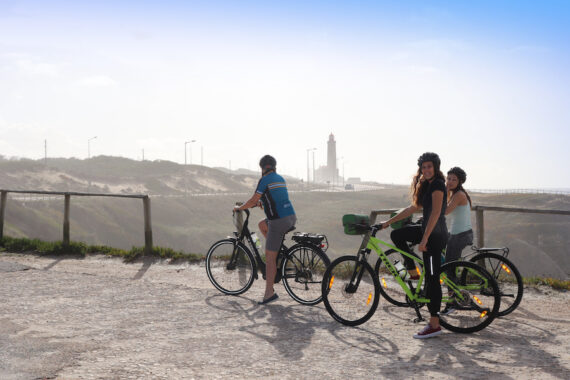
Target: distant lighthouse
x: 331, y: 156
x: 329, y: 173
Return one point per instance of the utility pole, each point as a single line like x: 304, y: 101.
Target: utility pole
x: 89, y: 146
x: 45, y: 152
x: 314, y: 165
x: 185, y: 143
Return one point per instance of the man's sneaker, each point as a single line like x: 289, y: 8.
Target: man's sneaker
x: 428, y: 332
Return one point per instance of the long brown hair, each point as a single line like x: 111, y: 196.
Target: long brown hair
x: 420, y: 184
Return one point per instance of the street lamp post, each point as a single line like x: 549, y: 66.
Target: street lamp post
x: 314, y: 165
x: 185, y: 149
x: 308, y: 150
x: 89, y: 146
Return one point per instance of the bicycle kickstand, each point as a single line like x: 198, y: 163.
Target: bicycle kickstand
x: 419, y: 317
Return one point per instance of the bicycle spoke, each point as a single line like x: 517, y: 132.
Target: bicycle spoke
x: 472, y: 297
x: 350, y: 291
x: 229, y: 267
x: 303, y: 269
x: 507, y: 277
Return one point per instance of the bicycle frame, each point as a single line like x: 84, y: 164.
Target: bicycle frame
x: 414, y: 296
x: 246, y: 234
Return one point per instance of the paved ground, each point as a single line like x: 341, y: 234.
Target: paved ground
x: 97, y: 317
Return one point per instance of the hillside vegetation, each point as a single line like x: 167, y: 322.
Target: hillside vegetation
x: 185, y: 219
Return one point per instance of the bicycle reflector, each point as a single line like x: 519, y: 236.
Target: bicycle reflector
x: 483, y: 314
x: 384, y: 283
x: 506, y: 268
x: 478, y: 300
x: 418, y: 270
x: 369, y: 298
x: 331, y: 282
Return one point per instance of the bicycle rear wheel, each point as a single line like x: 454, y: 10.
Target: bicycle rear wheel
x: 507, y: 276
x: 302, y: 273
x: 230, y: 266
x: 350, y: 290
x: 389, y: 288
x: 472, y: 297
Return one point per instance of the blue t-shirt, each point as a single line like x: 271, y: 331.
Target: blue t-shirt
x: 274, y: 196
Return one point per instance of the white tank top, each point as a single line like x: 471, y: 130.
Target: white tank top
x: 460, y: 219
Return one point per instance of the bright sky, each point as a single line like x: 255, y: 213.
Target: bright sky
x: 485, y: 84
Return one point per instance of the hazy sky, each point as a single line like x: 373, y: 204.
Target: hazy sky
x: 485, y: 84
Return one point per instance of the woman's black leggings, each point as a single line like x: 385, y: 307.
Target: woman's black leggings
x: 432, y: 259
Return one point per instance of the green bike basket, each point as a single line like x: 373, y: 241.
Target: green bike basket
x: 350, y: 223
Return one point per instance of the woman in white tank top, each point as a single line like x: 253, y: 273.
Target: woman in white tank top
x: 459, y: 211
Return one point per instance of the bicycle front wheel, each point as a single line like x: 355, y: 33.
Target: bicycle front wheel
x: 507, y: 276
x: 302, y: 273
x: 471, y: 296
x: 230, y: 267
x: 350, y: 290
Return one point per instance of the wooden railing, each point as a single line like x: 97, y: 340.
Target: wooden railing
x: 479, y: 218
x: 67, y: 204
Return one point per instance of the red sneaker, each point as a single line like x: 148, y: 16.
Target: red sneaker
x: 428, y: 332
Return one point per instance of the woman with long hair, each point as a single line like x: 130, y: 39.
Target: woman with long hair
x: 428, y: 193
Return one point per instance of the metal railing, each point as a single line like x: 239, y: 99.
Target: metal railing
x: 67, y: 205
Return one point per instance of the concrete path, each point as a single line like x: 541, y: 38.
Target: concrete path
x: 98, y: 318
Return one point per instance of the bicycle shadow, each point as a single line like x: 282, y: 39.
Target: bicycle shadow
x: 490, y: 353
x: 289, y: 329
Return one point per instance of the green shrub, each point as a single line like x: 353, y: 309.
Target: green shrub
x: 548, y: 281
x: 81, y: 249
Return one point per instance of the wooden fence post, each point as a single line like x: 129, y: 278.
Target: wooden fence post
x: 480, y: 226
x: 147, y: 225
x: 66, y: 219
x: 3, y: 198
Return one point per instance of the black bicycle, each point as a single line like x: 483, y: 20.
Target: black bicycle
x: 494, y: 260
x: 232, y: 266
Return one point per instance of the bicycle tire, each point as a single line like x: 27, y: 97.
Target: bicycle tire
x: 389, y: 288
x: 476, y: 299
x: 506, y: 274
x: 347, y: 302
x: 302, y: 271
x: 230, y: 278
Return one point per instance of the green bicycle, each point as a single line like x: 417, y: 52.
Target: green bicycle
x: 502, y: 269
x: 351, y: 288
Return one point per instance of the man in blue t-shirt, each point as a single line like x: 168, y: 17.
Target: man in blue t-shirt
x: 272, y: 194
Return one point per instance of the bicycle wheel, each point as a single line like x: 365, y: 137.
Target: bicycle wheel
x: 302, y: 273
x: 507, y: 276
x: 472, y: 296
x: 230, y: 266
x: 389, y: 288
x: 350, y: 290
